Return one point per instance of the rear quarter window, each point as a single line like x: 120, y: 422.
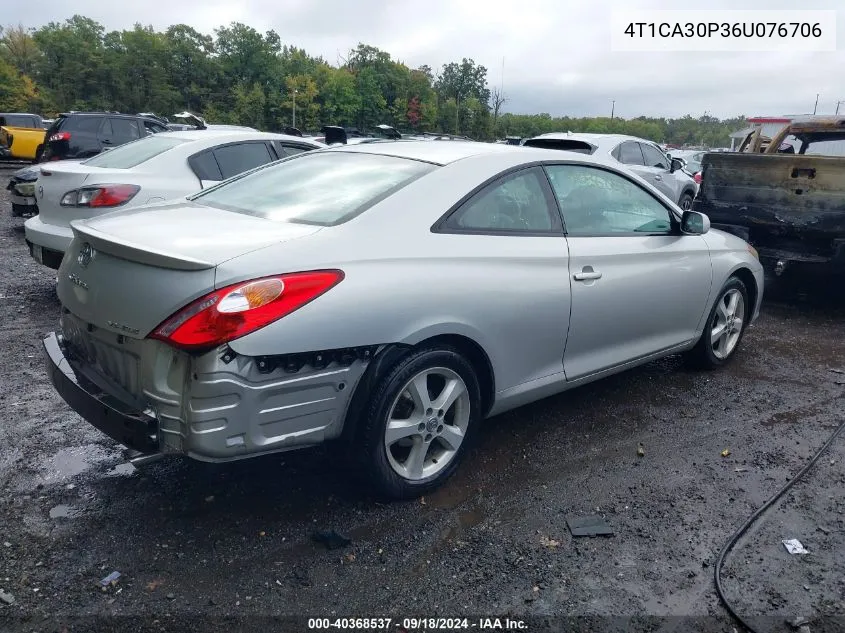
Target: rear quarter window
x: 87, y: 124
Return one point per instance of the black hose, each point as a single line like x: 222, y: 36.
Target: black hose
x: 744, y: 528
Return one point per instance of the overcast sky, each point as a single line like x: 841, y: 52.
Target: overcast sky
x: 557, y: 54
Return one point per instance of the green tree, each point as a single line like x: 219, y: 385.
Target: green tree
x: 72, y: 63
x: 192, y: 69
x: 18, y: 47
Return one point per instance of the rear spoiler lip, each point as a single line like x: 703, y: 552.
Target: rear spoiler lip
x: 144, y: 255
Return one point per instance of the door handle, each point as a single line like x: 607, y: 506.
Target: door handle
x: 658, y: 177
x: 586, y: 275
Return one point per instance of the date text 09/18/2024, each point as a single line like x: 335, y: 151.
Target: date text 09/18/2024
x: 418, y: 625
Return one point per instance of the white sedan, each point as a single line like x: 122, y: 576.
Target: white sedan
x: 165, y: 166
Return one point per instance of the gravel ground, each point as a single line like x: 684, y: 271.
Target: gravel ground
x: 196, y: 544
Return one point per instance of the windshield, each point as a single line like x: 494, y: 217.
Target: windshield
x: 324, y: 188
x: 134, y: 153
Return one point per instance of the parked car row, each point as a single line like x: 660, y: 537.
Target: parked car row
x: 641, y: 156
x: 229, y: 293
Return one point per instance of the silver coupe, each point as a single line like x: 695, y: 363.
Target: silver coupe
x: 387, y: 296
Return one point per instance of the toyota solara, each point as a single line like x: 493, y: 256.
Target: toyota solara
x: 386, y: 296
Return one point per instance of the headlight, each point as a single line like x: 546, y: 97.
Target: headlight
x: 25, y: 188
x: 754, y: 252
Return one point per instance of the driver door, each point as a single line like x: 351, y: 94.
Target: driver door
x: 638, y: 285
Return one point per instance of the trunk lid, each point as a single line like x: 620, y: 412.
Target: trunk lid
x: 128, y: 271
x: 56, y: 179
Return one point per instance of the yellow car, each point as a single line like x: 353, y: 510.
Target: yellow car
x: 21, y: 136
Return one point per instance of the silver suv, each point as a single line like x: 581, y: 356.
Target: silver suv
x: 642, y: 157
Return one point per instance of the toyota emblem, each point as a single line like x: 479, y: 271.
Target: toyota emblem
x: 86, y: 254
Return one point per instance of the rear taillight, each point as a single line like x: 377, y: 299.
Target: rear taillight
x: 242, y: 308
x: 101, y: 196
x: 697, y: 177
x: 59, y: 136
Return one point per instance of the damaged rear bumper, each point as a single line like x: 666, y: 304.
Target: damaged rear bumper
x: 133, y: 429
x: 216, y: 407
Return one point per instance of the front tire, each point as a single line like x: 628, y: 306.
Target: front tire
x: 685, y: 202
x: 724, y: 327
x: 419, y: 422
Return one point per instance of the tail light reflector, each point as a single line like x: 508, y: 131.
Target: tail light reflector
x: 697, y: 177
x: 240, y: 309
x: 59, y: 136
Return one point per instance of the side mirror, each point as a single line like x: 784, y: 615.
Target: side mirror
x: 676, y: 165
x: 694, y: 223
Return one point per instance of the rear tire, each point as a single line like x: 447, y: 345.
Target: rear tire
x: 724, y: 327
x: 419, y: 422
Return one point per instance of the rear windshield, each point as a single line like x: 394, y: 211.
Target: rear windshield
x: 324, y: 188
x: 134, y: 153
x: 581, y: 147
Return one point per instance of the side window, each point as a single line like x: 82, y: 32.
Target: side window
x: 86, y: 124
x: 153, y: 128
x: 598, y: 202
x: 124, y: 130
x: 205, y: 167
x: 290, y: 150
x: 241, y: 157
x: 654, y: 157
x: 516, y: 203
x: 630, y: 154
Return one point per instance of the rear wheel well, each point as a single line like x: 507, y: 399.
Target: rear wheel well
x: 477, y: 357
x: 387, y: 358
x: 747, y: 277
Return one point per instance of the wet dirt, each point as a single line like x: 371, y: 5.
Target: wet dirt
x: 201, y: 542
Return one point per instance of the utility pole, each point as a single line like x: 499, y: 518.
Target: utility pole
x: 294, y: 108
x: 612, y: 109
x: 457, y: 114
x: 815, y: 107
x: 838, y: 103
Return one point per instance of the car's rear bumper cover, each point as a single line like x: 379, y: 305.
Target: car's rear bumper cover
x: 133, y: 429
x: 211, y: 407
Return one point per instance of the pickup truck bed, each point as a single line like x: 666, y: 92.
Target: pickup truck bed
x: 790, y: 207
x: 22, y: 143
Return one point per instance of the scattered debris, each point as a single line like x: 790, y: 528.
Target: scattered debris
x: 794, y: 546
x: 154, y: 584
x: 589, y: 526
x: 350, y: 558
x: 545, y: 541
x: 171, y: 596
x: 332, y: 539
x: 262, y: 533
x: 422, y: 501
x: 726, y: 452
x: 837, y: 371
x: 741, y: 469
x: 823, y: 529
x: 6, y: 598
x: 640, y: 450
x: 209, y: 498
x: 110, y: 580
